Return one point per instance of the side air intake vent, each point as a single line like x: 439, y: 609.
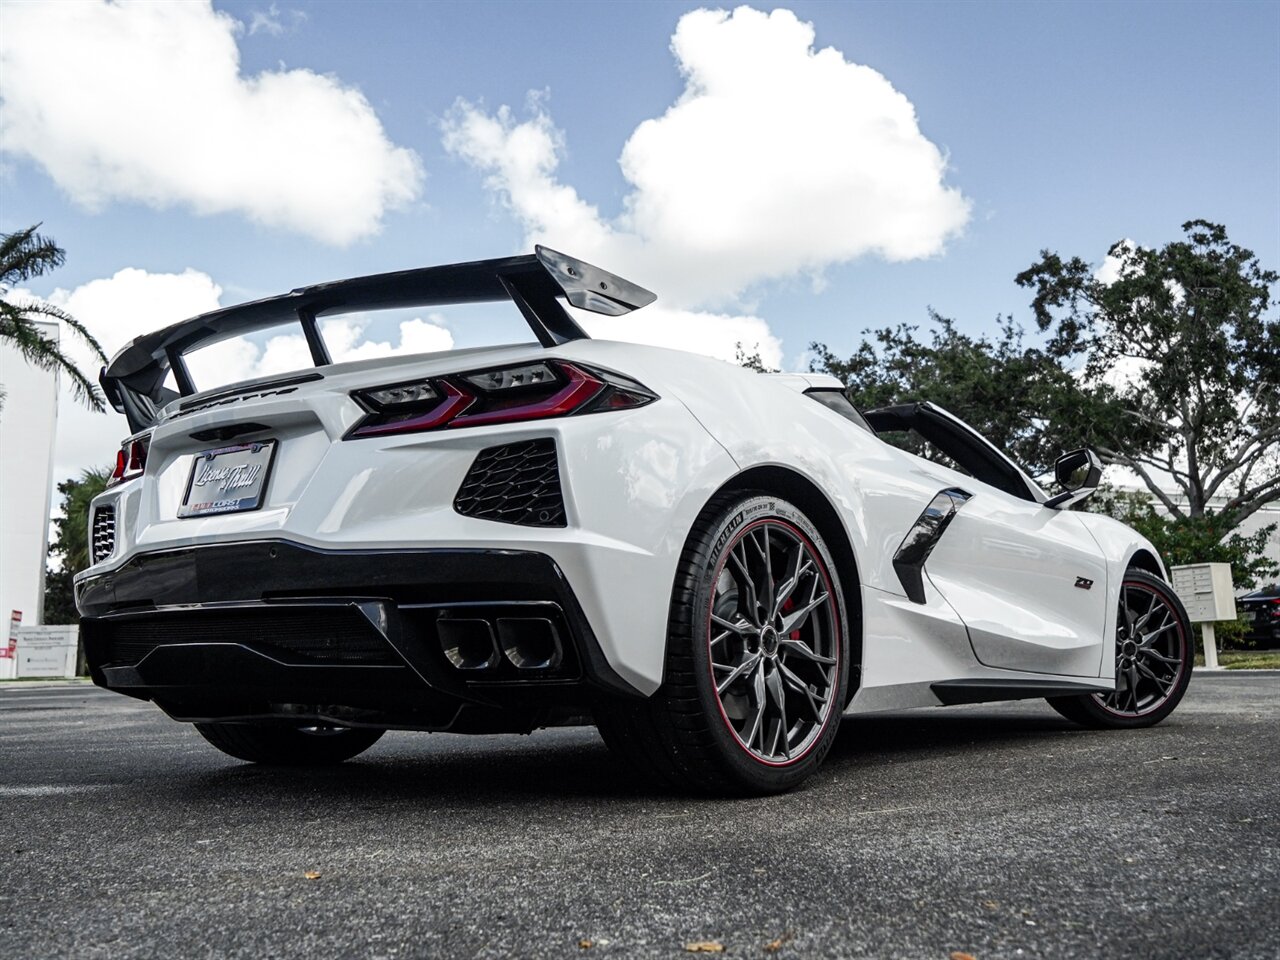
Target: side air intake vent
x: 514, y: 483
x: 104, y: 533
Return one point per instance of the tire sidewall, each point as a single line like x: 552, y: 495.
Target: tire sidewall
x: 741, y: 765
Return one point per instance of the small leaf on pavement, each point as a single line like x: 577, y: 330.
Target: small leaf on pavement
x: 773, y: 946
x: 704, y: 946
x: 312, y: 874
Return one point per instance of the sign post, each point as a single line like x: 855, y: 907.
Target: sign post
x: 10, y: 649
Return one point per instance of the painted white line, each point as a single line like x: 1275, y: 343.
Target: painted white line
x: 51, y: 789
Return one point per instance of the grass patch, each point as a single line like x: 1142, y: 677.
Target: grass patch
x: 1245, y: 659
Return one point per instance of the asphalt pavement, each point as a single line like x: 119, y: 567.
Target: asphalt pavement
x: 992, y: 830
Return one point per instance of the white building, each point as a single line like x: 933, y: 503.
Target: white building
x: 28, y: 417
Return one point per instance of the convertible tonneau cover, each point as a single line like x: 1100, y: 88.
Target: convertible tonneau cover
x: 134, y: 379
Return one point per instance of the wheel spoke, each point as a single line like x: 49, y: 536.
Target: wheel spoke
x: 795, y: 683
x: 757, y: 688
x: 742, y: 628
x: 1150, y: 638
x: 1133, y: 688
x: 773, y: 682
x: 741, y: 670
x: 796, y: 570
x: 796, y: 618
x: 746, y: 585
x: 1127, y: 610
x: 1163, y: 683
x: 803, y: 649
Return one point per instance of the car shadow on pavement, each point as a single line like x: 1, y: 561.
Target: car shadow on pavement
x: 868, y: 739
x: 575, y: 764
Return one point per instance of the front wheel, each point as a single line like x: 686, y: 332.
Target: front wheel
x: 289, y: 746
x: 1154, y: 653
x: 757, y: 657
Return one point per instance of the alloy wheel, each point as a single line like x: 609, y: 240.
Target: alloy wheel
x: 1152, y: 651
x: 774, y: 641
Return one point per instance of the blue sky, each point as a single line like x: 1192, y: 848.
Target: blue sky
x: 1063, y: 125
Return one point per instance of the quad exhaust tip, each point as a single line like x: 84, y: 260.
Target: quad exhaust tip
x: 468, y: 644
x: 530, y: 644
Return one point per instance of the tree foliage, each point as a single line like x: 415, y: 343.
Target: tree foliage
x: 1171, y: 368
x: 1012, y: 392
x: 1209, y: 538
x: 70, y: 544
x: 1186, y: 335
x: 23, y: 255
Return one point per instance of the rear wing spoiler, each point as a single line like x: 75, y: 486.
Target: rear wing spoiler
x: 134, y: 379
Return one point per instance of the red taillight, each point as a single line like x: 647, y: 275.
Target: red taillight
x: 580, y: 388
x: 529, y: 391
x: 131, y: 461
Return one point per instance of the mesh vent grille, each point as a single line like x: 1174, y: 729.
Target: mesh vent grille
x: 103, y: 538
x: 514, y: 483
x: 334, y: 635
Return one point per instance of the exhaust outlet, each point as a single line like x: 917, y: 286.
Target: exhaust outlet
x: 529, y: 643
x: 468, y: 644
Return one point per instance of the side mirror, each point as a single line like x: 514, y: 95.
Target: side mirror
x: 1078, y: 473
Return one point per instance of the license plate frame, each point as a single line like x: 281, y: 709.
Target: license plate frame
x: 239, y: 475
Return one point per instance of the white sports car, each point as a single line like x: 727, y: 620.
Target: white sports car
x: 711, y: 564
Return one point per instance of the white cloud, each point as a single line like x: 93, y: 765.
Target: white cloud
x: 1112, y: 267
x: 115, y: 310
x: 132, y: 302
x: 144, y: 101
x: 698, y: 331
x: 777, y: 160
x: 272, y: 21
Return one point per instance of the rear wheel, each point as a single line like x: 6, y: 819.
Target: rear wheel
x: 1154, y: 653
x: 757, y: 663
x: 284, y: 745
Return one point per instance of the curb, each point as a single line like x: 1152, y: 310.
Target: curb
x: 44, y: 684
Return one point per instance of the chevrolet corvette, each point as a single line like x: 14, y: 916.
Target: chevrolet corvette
x: 710, y: 564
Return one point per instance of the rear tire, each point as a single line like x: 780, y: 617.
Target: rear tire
x: 1154, y: 651
x: 283, y: 745
x: 757, y: 662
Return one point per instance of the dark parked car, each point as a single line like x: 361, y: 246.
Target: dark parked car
x: 1260, y: 610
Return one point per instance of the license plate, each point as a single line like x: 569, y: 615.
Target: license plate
x: 228, y: 479
x: 1248, y: 616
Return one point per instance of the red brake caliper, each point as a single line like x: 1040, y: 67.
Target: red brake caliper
x: 786, y: 608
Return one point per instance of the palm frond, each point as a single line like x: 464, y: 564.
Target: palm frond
x: 45, y: 353
x: 25, y: 254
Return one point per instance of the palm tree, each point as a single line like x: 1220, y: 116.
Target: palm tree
x: 23, y: 255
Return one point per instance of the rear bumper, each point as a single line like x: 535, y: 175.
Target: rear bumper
x: 271, y: 628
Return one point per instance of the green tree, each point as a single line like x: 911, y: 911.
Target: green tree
x: 1198, y: 405
x: 1209, y: 538
x: 70, y: 544
x: 1188, y: 327
x: 1024, y: 401
x: 23, y: 255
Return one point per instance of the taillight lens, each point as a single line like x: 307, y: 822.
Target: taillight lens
x: 131, y: 460
x: 528, y: 391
